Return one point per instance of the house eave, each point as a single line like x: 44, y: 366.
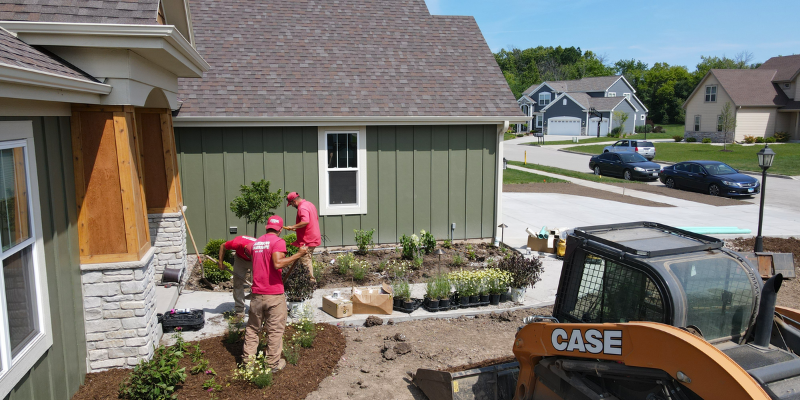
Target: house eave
x: 222, y: 121
x: 25, y: 76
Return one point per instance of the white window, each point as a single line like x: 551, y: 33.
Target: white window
x: 544, y: 98
x: 612, y: 94
x: 719, y: 123
x: 697, y: 123
x: 342, y: 170
x: 25, y: 331
x: 627, y: 96
x: 538, y: 121
x: 643, y: 115
x: 565, y: 101
x: 711, y: 93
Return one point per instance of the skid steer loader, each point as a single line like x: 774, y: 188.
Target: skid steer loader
x: 646, y: 311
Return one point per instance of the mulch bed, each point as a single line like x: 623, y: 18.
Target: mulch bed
x: 789, y: 293
x: 683, y: 194
x: 579, y: 190
x: 293, y: 382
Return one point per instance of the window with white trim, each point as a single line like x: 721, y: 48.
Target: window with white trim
x: 612, y: 94
x: 538, y: 121
x: 544, y: 98
x: 627, y: 96
x: 711, y: 93
x: 643, y: 117
x: 719, y: 123
x: 25, y: 331
x: 342, y: 170
x: 697, y: 123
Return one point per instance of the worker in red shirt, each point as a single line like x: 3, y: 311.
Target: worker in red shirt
x: 242, y: 264
x: 307, y: 228
x: 268, y: 302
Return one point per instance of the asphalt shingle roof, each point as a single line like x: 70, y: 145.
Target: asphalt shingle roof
x: 599, y: 103
x: 786, y: 67
x: 16, y: 53
x: 590, y: 84
x: 343, y: 58
x: 138, y: 12
x: 751, y: 87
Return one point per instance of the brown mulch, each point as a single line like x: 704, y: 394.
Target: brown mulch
x: 789, y: 293
x: 293, y: 382
x: 683, y: 194
x: 579, y: 190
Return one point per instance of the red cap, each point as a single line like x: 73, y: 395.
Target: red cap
x: 275, y: 222
x: 291, y: 197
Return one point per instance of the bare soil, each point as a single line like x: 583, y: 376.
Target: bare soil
x: 579, y: 190
x: 461, y: 343
x: 293, y: 382
x: 683, y: 194
x: 789, y: 293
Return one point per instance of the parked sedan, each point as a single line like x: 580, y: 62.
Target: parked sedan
x: 712, y: 177
x: 627, y: 165
x: 643, y: 147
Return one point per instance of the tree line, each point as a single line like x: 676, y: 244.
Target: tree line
x: 662, y: 88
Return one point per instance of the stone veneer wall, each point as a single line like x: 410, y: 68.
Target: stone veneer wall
x: 168, y: 237
x: 120, y: 312
x: 716, y: 137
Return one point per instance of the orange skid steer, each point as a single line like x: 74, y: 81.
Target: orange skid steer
x: 646, y: 311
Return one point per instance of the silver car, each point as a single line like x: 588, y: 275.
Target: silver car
x: 643, y: 147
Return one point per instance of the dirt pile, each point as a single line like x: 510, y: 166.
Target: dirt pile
x: 789, y: 294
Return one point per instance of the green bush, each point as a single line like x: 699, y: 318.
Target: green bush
x: 263, y: 380
x: 658, y: 129
x: 706, y: 140
x: 749, y: 139
x: 155, y: 379
x: 678, y: 138
x: 759, y: 139
x: 646, y: 128
x: 691, y: 139
x: 782, y: 136
x: 212, y: 249
x: 427, y: 241
x: 615, y: 132
x: 360, y: 269
x: 214, y: 274
x: 458, y: 260
x: 345, y: 263
x: 769, y: 140
x: 364, y: 240
x: 290, y: 238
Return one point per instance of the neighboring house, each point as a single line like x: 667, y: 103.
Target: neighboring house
x: 386, y: 118
x: 765, y: 100
x: 90, y: 193
x: 563, y: 107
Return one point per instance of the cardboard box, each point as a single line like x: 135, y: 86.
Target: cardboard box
x: 541, y: 245
x: 338, y: 308
x: 373, y: 300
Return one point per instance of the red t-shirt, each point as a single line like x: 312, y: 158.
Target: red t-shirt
x: 308, y: 235
x: 240, y: 245
x: 267, y: 279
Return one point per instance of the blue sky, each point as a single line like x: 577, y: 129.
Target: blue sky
x: 672, y: 31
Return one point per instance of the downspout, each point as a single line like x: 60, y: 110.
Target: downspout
x: 498, y: 190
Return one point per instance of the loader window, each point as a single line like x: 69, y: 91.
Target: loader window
x: 611, y: 292
x: 719, y: 295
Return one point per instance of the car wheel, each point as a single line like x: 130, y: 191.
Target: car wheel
x: 627, y: 175
x: 597, y: 170
x: 713, y: 190
x: 605, y: 151
x: 670, y: 183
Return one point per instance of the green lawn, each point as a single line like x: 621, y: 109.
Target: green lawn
x: 787, y: 155
x: 512, y: 176
x: 572, y: 174
x: 671, y: 130
x: 509, y: 136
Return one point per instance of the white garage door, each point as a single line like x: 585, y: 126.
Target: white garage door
x: 593, y: 127
x: 569, y: 126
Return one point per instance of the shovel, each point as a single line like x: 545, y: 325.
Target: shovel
x: 205, y: 282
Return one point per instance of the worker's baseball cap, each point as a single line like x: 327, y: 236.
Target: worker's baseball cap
x: 290, y: 197
x: 275, y: 222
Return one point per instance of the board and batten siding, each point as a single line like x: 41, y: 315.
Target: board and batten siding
x: 418, y: 177
x: 60, y: 372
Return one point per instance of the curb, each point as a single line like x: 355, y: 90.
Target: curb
x: 672, y: 163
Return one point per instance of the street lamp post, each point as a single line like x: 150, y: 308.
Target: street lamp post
x: 765, y: 158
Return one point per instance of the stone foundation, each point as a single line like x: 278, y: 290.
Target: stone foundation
x: 716, y: 137
x: 168, y: 238
x: 120, y: 312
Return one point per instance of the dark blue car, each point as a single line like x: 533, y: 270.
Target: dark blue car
x: 712, y: 177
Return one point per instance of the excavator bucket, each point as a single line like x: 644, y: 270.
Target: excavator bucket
x: 494, y: 382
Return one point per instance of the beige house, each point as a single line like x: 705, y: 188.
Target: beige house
x: 765, y: 100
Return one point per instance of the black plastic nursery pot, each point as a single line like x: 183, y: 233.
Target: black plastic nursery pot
x: 474, y: 300
x: 398, y: 302
x: 494, y: 299
x: 408, y: 306
x: 464, y: 301
x: 444, y: 304
x: 484, y: 298
x: 433, y: 305
x: 505, y: 297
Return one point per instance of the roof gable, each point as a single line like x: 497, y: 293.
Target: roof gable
x: 786, y: 67
x: 751, y: 87
x: 140, y: 12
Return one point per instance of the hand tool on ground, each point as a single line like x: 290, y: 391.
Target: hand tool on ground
x: 203, y: 279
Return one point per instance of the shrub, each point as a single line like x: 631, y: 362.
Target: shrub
x: 427, y: 241
x: 402, y: 290
x: 644, y: 128
x: 706, y: 140
x: 297, y: 285
x: 291, y: 353
x: 471, y: 253
x: 319, y: 270
x: 396, y: 270
x: 458, y: 260
x: 235, y: 329
x: 441, y: 287
x: 678, y: 138
x: 615, y: 132
x: 345, y: 263
x: 216, y: 275
x: 290, y: 238
x: 360, y: 269
x: 769, y: 140
x: 263, y: 380
x: 447, y: 244
x: 749, y: 139
x: 658, y: 129
x: 256, y: 371
x: 524, y: 272
x: 416, y: 263
x: 364, y: 240
x: 759, y: 139
x: 212, y: 249
x: 155, y: 379
x: 782, y: 136
x: 411, y: 246
x: 691, y: 139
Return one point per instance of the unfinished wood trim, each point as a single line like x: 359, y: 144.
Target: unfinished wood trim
x: 21, y: 227
x: 144, y: 249
x: 170, y: 168
x: 124, y: 153
x: 174, y: 147
x: 96, y: 108
x: 110, y: 258
x: 80, y: 183
x: 143, y: 228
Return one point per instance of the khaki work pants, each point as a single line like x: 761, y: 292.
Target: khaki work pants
x: 240, y: 269
x: 270, y: 311
x: 307, y: 262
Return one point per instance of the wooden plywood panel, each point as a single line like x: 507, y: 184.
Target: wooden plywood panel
x: 155, y: 175
x: 214, y: 183
x: 474, y: 186
x: 458, y: 178
x: 387, y: 188
x: 405, y: 180
x: 422, y: 178
x: 489, y: 180
x: 190, y: 141
x: 440, y: 192
x: 102, y: 201
x: 233, y: 153
x: 274, y: 167
x: 370, y: 219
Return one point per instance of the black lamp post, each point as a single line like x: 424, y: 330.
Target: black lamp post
x: 765, y: 157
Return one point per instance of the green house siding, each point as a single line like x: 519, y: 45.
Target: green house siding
x: 59, y: 373
x: 418, y: 177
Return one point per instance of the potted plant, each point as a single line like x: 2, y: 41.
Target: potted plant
x: 443, y: 291
x: 460, y: 285
x: 495, y: 286
x: 472, y: 290
x: 405, y: 294
x: 431, y: 296
x: 298, y: 289
x: 397, y: 301
x: 524, y: 272
x: 483, y: 286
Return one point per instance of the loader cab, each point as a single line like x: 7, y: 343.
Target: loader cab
x: 651, y: 272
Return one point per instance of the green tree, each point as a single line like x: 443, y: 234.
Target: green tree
x: 619, y: 118
x: 728, y: 122
x: 633, y: 70
x: 256, y: 203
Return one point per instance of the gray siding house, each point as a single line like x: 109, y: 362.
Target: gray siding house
x: 353, y: 109
x: 537, y: 102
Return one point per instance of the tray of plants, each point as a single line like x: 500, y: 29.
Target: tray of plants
x: 185, y: 319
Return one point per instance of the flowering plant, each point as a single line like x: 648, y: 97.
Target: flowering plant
x: 255, y: 370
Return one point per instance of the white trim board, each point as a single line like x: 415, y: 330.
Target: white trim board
x: 27, y: 76
x: 198, y: 122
